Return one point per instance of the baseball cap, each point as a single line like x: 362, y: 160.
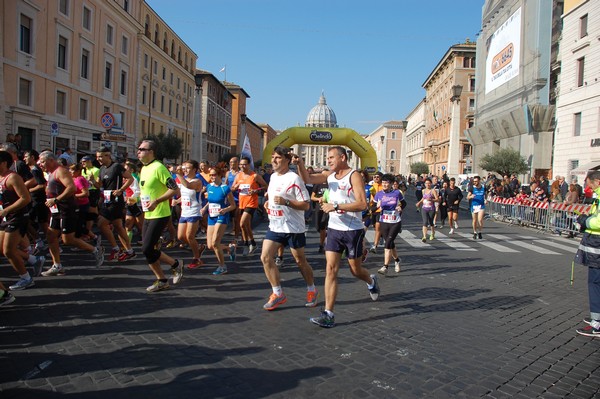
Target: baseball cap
x: 86, y: 158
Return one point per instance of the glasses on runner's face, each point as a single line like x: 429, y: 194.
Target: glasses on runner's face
x: 144, y: 149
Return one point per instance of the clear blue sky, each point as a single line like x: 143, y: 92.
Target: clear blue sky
x: 370, y: 57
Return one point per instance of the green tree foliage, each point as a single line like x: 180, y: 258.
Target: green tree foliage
x: 167, y: 146
x: 504, y: 162
x: 419, y: 168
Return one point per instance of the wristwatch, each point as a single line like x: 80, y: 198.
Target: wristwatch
x: 287, y: 202
x: 335, y: 206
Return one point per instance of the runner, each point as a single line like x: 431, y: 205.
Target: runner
x: 114, y: 180
x: 391, y: 202
x: 477, y: 194
x: 287, y: 200
x: 346, y: 201
x: 134, y: 217
x: 60, y: 193
x: 39, y: 213
x: 248, y: 183
x: 322, y: 217
x: 427, y: 205
x: 190, y: 188
x: 220, y: 206
x: 376, y: 187
x: 92, y: 174
x: 234, y: 169
x: 453, y: 197
x: 157, y: 188
x: 13, y: 215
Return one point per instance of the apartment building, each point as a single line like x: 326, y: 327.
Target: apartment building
x: 414, y: 139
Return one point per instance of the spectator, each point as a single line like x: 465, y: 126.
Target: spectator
x: 67, y: 155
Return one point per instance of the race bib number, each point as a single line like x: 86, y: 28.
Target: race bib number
x: 275, y: 212
x: 244, y: 189
x: 107, y: 194
x: 145, y: 202
x: 54, y: 209
x: 390, y: 217
x: 427, y: 203
x: 476, y: 208
x: 214, y: 210
x: 186, y: 202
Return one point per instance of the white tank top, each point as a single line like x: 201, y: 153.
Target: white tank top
x: 341, y: 192
x: 190, y: 206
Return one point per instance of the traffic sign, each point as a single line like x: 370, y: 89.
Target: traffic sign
x: 107, y: 120
x: 443, y: 168
x: 54, y: 129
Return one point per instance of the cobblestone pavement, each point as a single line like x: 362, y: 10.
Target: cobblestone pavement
x: 462, y: 319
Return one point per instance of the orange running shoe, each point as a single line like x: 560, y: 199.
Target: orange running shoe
x: 274, y: 301
x: 311, y: 299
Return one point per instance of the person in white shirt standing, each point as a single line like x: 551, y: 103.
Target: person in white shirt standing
x: 286, y: 203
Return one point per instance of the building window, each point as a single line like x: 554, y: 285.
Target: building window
x: 126, y: 5
x: 85, y: 63
x: 473, y: 62
x: 61, y: 102
x: 580, y: 71
x: 124, y: 45
x: 63, y: 7
x: 393, y: 154
x: 62, y: 52
x: 472, y: 83
x: 162, y: 104
x: 471, y: 103
x: 577, y: 124
x: 108, y: 75
x: 153, y: 100
x: 466, y: 62
x: 393, y: 136
x: 106, y: 109
x: 25, y: 34
x: 87, y: 19
x: 164, y: 73
x: 109, y: 35
x: 144, y: 89
x: 583, y: 26
x: 146, y: 61
x: 25, y: 92
x: 170, y: 107
x: 123, y: 83
x: 171, y: 78
x: 83, y: 109
x: 155, y: 67
x: 122, y: 120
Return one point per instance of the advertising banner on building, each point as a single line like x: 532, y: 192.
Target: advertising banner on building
x: 504, y: 49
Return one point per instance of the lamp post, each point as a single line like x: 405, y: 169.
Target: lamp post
x: 383, y: 157
x: 402, y: 158
x: 242, y: 136
x: 454, y: 145
x: 197, y: 142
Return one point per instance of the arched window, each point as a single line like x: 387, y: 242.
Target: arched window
x: 393, y: 154
x: 466, y: 62
x: 147, y: 27
x: 156, y: 33
x: 393, y: 136
x: 165, y: 48
x: 173, y: 49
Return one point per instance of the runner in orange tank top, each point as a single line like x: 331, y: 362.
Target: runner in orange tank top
x: 248, y: 184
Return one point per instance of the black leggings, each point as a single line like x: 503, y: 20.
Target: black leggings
x: 389, y: 232
x: 151, y: 231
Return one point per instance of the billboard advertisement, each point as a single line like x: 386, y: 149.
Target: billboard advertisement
x: 503, y: 56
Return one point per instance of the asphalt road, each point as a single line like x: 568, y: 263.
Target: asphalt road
x: 464, y: 318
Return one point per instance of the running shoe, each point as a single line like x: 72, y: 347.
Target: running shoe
x: 431, y: 237
x: 114, y: 255
x: 424, y: 239
x: 373, y: 249
x: 196, y: 263
x: 55, y: 270
x: 365, y: 255
x: 158, y: 286
x: 251, y: 249
x: 587, y: 320
x: 278, y: 261
x: 480, y: 236
x: 99, y: 256
x: 232, y: 248
x: 38, y: 265
x: 324, y: 320
x: 474, y: 236
x: 383, y: 270
x: 22, y: 284
x: 451, y: 231
x: 397, y: 266
x: 274, y: 301
x: 98, y: 242
x: 177, y: 271
x: 6, y: 298
x: 311, y: 298
x: 589, y: 331
x: 374, y: 292
x: 220, y: 270
x: 127, y: 255
x: 456, y: 225
x: 201, y: 249
x: 171, y: 244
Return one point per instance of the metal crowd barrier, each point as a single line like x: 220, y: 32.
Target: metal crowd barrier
x: 553, y: 217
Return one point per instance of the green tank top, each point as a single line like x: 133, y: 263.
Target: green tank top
x: 153, y: 184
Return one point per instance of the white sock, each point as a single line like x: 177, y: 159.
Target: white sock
x: 311, y: 288
x: 329, y: 313
x: 369, y: 286
x: 277, y: 290
x: 115, y: 248
x: 25, y: 276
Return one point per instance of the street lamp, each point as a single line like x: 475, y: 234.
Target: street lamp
x: 383, y: 157
x: 197, y: 145
x: 454, y: 144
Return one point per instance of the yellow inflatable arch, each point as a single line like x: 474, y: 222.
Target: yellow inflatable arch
x: 329, y: 137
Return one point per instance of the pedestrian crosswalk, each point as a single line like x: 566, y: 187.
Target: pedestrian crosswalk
x: 503, y: 243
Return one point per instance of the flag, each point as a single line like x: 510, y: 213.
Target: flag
x: 435, y: 116
x: 247, y: 151
x: 223, y: 69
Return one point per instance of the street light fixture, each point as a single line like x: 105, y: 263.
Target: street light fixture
x: 197, y: 144
x: 404, y: 124
x: 456, y: 92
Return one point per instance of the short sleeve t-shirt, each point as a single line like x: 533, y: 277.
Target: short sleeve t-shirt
x: 388, y: 203
x: 154, y: 179
x: 282, y: 218
x: 88, y: 173
x: 112, y: 179
x: 217, y: 198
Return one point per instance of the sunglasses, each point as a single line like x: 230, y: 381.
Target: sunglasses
x: 144, y: 149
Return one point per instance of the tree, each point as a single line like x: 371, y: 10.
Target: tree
x: 419, y: 168
x: 167, y: 146
x: 506, y: 161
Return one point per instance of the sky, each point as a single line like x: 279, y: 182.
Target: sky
x: 370, y: 58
